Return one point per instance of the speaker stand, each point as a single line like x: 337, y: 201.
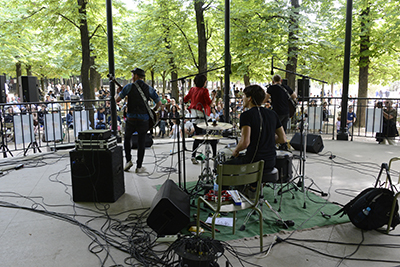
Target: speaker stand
x: 34, y: 145
x: 302, y: 151
x: 3, y: 146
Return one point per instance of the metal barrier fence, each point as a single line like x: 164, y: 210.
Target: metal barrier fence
x: 323, y: 115
x: 34, y: 125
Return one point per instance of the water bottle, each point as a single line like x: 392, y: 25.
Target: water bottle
x: 366, y: 211
x: 362, y: 214
x: 215, y: 189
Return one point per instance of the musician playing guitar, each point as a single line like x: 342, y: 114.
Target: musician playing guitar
x: 137, y: 116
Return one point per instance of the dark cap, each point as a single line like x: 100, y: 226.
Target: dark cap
x: 139, y: 72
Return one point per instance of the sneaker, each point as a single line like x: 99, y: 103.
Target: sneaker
x: 140, y: 170
x: 194, y: 161
x: 128, y: 165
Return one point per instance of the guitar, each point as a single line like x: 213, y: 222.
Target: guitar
x: 152, y: 122
x: 292, y: 107
x: 291, y: 102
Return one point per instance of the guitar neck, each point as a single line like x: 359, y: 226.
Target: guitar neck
x: 117, y: 83
x: 112, y: 79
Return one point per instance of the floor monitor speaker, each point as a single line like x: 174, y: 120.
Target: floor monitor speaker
x: 30, y: 89
x: 97, y: 176
x: 170, y: 210
x: 314, y: 143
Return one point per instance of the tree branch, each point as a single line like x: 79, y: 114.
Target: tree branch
x: 184, y: 35
x: 270, y: 17
x: 95, y: 30
x: 34, y: 13
x: 68, y: 19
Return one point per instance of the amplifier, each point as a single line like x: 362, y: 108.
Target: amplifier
x: 96, y: 144
x: 97, y: 176
x: 94, y: 135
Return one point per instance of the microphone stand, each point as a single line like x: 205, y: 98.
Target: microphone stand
x: 303, y: 141
x: 182, y: 80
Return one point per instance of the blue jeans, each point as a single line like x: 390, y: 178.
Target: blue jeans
x: 141, y: 127
x: 162, y: 127
x: 349, y: 125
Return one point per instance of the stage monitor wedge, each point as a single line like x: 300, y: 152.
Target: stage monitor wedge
x: 29, y: 89
x: 314, y: 143
x: 170, y: 210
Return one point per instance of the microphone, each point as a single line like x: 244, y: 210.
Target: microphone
x: 272, y: 66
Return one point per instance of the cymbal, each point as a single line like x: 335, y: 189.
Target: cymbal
x: 207, y: 137
x: 215, y: 126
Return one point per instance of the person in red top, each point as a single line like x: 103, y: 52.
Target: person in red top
x: 199, y: 96
x: 199, y: 102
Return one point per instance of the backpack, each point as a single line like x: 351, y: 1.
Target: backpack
x: 371, y: 209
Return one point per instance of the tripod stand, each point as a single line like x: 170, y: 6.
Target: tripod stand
x: 3, y: 146
x: 33, y: 144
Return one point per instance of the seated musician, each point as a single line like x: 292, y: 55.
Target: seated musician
x: 260, y: 131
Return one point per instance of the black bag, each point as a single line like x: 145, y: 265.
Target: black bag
x: 371, y: 209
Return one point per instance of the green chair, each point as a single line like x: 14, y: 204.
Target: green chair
x: 235, y: 175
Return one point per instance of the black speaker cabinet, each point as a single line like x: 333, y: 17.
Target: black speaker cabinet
x: 170, y: 210
x: 148, y: 142
x: 2, y: 89
x: 29, y: 89
x: 300, y: 89
x: 97, y: 176
x: 314, y: 143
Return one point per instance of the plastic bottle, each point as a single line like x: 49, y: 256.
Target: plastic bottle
x: 362, y: 214
x: 215, y: 189
x: 366, y: 211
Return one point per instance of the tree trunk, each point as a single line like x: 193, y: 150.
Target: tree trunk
x: 29, y: 70
x: 152, y: 78
x: 85, y: 67
x: 292, y: 47
x: 201, y: 35
x: 95, y: 78
x: 246, y: 79
x: 19, y: 74
x: 174, y: 89
x: 363, y: 66
x: 164, y: 82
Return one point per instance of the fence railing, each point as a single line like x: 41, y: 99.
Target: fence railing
x: 323, y: 119
x: 36, y: 125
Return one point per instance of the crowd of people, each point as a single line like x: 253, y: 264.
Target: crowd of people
x: 171, y: 109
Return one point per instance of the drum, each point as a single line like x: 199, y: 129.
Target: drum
x: 224, y: 154
x: 284, y: 165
